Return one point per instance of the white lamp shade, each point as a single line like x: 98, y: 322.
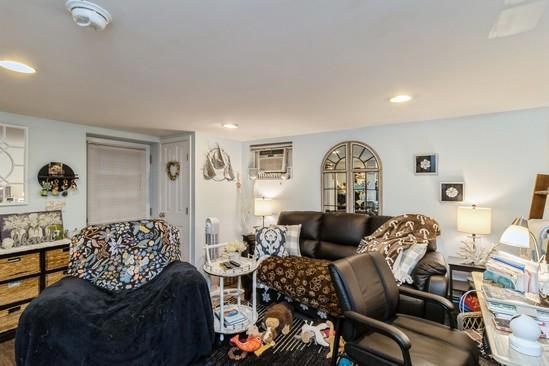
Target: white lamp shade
x: 474, y: 220
x: 263, y: 207
x: 516, y: 236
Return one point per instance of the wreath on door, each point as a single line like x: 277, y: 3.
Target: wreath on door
x: 173, y: 168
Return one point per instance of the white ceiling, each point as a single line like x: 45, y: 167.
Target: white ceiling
x: 276, y: 67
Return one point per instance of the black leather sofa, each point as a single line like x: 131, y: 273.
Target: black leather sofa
x: 331, y: 236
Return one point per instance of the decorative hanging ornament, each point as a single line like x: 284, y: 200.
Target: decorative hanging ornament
x: 218, y: 166
x: 173, y: 168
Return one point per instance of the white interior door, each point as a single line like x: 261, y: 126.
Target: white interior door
x: 175, y: 194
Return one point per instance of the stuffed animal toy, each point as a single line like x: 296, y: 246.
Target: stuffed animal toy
x: 278, y: 319
x: 263, y: 348
x: 251, y: 344
x: 310, y: 333
x: 253, y: 331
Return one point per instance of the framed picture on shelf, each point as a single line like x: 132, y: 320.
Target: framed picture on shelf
x: 426, y: 164
x: 452, y: 192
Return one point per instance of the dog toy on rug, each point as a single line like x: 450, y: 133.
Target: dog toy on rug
x: 331, y: 340
x: 310, y: 332
x: 278, y: 319
x: 265, y: 347
x: 251, y: 344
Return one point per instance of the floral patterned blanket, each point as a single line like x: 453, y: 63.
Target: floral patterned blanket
x: 303, y: 279
x: 124, y: 255
x: 398, y: 234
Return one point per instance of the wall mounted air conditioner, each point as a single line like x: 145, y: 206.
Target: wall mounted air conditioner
x: 271, y: 161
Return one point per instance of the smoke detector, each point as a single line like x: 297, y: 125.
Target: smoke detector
x: 88, y: 14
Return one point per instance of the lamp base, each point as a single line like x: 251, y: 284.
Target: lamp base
x: 525, y: 346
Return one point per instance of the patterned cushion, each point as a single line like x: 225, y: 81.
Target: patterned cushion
x: 123, y: 255
x: 292, y: 240
x: 303, y: 279
x: 271, y: 241
x: 406, y: 261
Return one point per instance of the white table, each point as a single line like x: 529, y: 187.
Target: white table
x: 499, y: 341
x: 248, y: 265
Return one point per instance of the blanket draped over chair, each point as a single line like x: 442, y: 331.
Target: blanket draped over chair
x: 128, y: 301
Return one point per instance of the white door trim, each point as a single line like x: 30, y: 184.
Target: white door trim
x: 189, y: 235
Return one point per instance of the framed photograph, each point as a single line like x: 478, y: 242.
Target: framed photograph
x: 426, y: 164
x: 452, y: 192
x: 55, y: 168
x: 17, y: 230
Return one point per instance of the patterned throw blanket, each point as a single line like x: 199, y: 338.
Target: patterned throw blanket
x: 398, y: 234
x: 124, y: 255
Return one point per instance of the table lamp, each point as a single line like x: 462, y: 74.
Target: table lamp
x: 263, y: 207
x: 475, y: 221
x: 518, y: 235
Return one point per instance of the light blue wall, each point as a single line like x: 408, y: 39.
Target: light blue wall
x: 496, y: 155
x: 51, y: 140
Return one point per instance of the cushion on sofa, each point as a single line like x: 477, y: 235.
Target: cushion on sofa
x: 310, y: 222
x: 271, y: 241
x: 292, y: 240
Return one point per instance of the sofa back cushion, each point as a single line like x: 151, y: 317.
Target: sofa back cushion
x: 340, y: 233
x: 310, y: 222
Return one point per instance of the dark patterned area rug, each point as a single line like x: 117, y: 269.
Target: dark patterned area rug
x: 287, y: 351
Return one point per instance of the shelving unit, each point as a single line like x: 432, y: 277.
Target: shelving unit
x: 539, y: 198
x: 24, y: 273
x: 221, y: 297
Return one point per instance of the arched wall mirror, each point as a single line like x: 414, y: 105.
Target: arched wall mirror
x: 351, y: 179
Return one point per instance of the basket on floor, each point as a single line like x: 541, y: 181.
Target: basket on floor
x: 471, y: 320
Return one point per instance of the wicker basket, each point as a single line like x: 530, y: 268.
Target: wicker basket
x: 471, y: 320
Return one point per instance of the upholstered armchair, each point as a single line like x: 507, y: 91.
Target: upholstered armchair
x: 128, y: 300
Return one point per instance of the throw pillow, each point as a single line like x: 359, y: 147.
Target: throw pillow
x: 271, y: 241
x: 292, y: 240
x: 406, y: 261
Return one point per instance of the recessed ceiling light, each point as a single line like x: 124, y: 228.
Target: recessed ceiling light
x: 17, y: 67
x: 231, y: 126
x: 400, y: 99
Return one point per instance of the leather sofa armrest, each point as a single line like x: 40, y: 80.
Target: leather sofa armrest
x: 385, y: 329
x: 432, y: 264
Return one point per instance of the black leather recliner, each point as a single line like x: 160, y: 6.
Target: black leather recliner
x: 374, y: 331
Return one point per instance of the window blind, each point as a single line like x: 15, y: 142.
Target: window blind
x: 118, y: 183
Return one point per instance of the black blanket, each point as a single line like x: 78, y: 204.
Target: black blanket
x: 168, y: 321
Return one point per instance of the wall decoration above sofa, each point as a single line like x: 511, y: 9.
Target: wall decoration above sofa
x: 18, y: 230
x: 426, y: 164
x: 218, y: 166
x: 56, y: 179
x: 452, y: 192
